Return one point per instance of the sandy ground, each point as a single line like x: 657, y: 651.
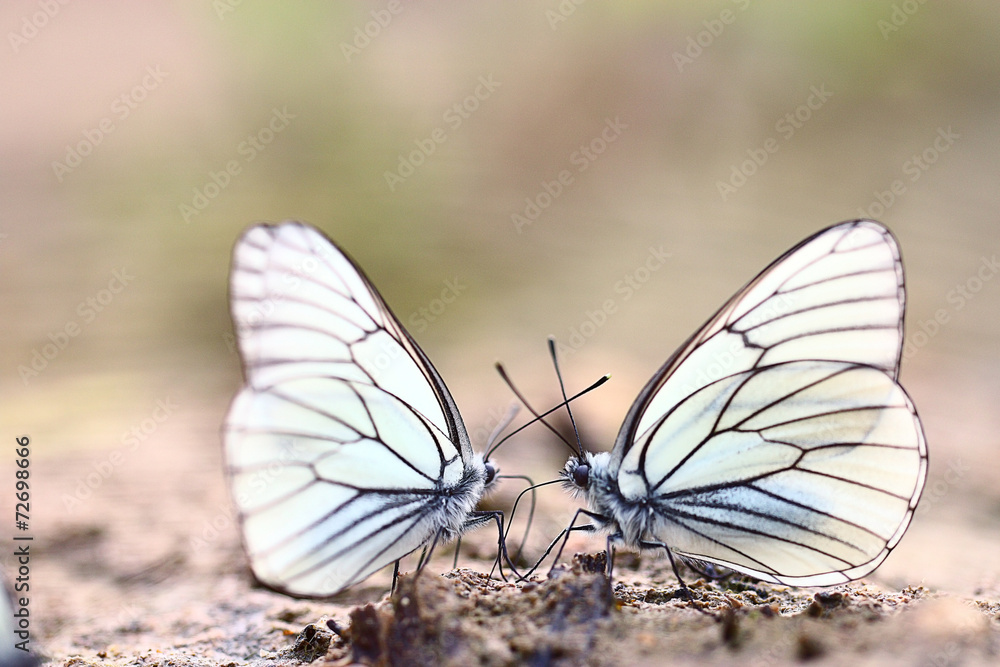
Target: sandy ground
x: 463, y: 617
x: 148, y: 571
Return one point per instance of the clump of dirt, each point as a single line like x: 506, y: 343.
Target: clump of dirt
x: 466, y: 618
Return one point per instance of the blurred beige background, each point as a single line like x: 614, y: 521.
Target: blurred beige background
x: 543, y: 162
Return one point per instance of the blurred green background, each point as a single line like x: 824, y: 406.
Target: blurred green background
x: 143, y: 138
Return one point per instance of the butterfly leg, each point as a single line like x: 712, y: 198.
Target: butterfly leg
x: 545, y: 555
x: 551, y: 546
x: 458, y: 546
x: 610, y: 558
x: 590, y: 527
x: 479, y: 518
x: 395, y: 577
x: 610, y: 554
x: 425, y: 556
x: 673, y: 564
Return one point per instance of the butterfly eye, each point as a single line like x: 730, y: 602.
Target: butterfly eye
x: 491, y: 473
x: 581, y: 475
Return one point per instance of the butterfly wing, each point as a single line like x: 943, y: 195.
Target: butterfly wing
x: 802, y: 472
x: 836, y: 296
x: 340, y: 444
x: 777, y: 441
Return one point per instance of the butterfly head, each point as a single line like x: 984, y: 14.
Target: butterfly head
x: 486, y: 472
x: 576, y: 474
x: 491, y: 473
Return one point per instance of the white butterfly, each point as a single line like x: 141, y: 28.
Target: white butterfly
x: 345, y: 451
x: 776, y: 441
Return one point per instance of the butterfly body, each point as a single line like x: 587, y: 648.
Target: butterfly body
x: 457, y: 502
x: 629, y: 520
x: 776, y: 441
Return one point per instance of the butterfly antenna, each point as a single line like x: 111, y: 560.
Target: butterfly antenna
x: 539, y: 417
x: 531, y: 489
x: 562, y: 388
x: 531, y: 512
